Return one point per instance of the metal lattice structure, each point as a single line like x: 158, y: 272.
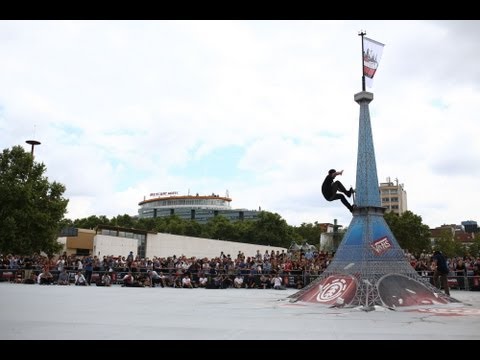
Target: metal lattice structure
x: 369, y: 267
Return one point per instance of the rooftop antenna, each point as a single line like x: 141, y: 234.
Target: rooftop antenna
x: 33, y: 142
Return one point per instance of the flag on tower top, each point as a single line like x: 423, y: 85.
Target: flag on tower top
x: 372, y: 53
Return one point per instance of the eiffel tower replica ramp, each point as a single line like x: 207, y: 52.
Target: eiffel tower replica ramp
x: 369, y: 268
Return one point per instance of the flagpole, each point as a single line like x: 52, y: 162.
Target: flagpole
x: 362, y: 33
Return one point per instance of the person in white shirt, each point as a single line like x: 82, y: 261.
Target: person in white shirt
x: 277, y: 282
x: 187, y: 282
x: 238, y: 282
x: 202, y: 281
x: 80, y: 279
x: 45, y: 277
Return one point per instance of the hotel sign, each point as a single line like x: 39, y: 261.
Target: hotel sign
x: 164, y: 193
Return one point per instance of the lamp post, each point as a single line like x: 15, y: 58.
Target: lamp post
x: 33, y: 143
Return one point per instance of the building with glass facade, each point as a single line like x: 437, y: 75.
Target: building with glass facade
x: 200, y: 208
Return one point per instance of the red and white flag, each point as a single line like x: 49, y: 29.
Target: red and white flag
x: 372, y: 53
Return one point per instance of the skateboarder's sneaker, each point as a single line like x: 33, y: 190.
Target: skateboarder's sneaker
x: 350, y: 192
x: 354, y: 207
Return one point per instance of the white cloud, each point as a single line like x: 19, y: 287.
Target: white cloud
x: 125, y: 108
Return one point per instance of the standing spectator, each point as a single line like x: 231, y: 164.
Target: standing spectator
x: 27, y: 275
x: 88, y: 269
x: 441, y: 271
x: 130, y: 260
x: 460, y: 273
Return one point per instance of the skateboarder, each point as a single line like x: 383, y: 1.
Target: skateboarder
x: 331, y: 190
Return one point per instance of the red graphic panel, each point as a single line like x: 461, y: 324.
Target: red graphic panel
x: 400, y: 290
x: 380, y: 246
x: 335, y: 289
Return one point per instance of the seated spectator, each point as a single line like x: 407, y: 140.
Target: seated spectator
x: 177, y: 279
x: 80, y: 279
x: 31, y: 280
x: 250, y: 283
x: 187, y: 282
x: 264, y: 282
x: 299, y: 282
x: 106, y: 280
x: 45, y: 278
x: 277, y: 282
x: 238, y: 282
x: 218, y: 281
x: 202, y: 280
x: 144, y: 280
x: 128, y: 279
x: 163, y: 279
x: 63, y: 278
x: 227, y: 282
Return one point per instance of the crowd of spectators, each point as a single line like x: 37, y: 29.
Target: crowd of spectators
x: 271, y: 269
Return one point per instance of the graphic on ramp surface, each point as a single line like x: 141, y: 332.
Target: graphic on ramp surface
x: 333, y: 290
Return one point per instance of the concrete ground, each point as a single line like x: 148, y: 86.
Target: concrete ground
x: 71, y: 312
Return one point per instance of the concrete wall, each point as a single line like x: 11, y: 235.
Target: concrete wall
x: 164, y: 245
x: 113, y: 245
x: 63, y: 241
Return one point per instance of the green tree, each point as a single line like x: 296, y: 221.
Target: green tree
x: 309, y: 232
x: 192, y: 228
x: 410, y: 232
x: 245, y: 231
x: 146, y: 224
x: 219, y: 227
x: 271, y: 229
x: 91, y: 222
x: 474, y: 248
x: 31, y: 207
x: 171, y: 225
x: 125, y: 221
x: 446, y: 243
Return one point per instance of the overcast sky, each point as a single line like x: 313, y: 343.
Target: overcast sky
x: 261, y: 109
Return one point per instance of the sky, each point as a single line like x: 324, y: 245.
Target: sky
x: 260, y: 110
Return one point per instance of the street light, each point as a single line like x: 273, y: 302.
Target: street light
x: 33, y: 143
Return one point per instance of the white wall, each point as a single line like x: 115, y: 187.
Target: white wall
x: 112, y: 245
x: 164, y: 245
x: 63, y: 241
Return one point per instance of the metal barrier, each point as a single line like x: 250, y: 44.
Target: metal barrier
x: 293, y: 279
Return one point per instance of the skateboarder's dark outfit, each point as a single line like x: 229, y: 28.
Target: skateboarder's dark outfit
x: 331, y: 189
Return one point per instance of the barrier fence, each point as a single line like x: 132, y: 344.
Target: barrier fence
x: 221, y: 279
